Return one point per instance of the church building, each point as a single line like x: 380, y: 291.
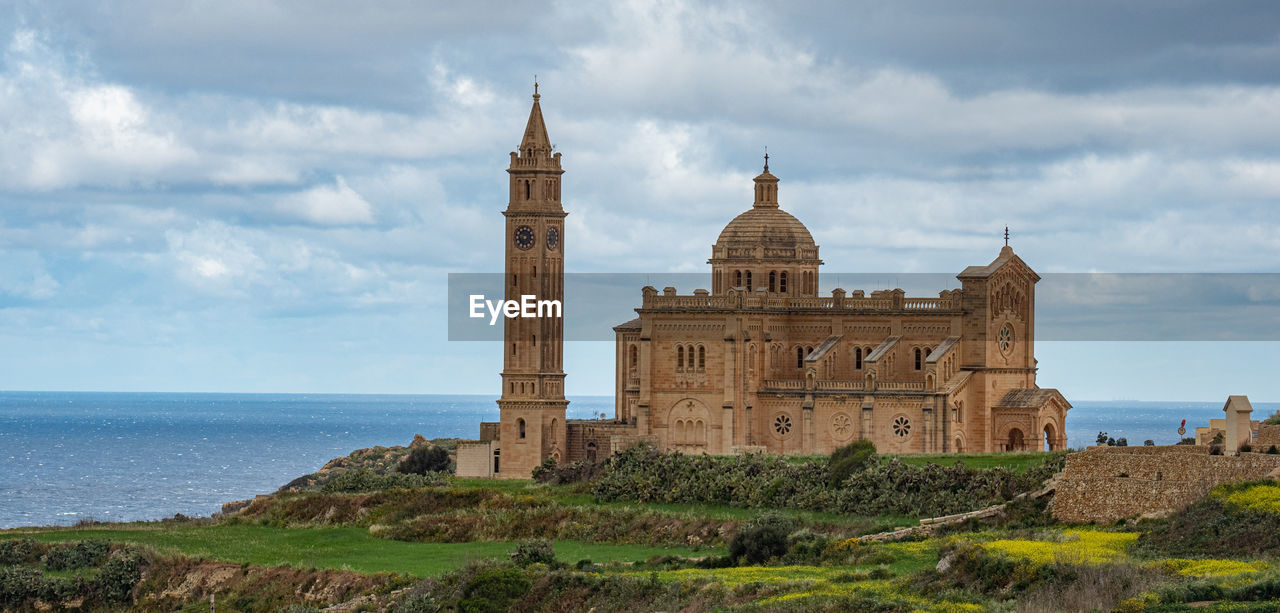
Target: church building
x: 761, y: 362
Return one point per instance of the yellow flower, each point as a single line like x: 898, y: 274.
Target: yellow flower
x: 1077, y: 546
x: 1261, y: 498
x: 1210, y: 568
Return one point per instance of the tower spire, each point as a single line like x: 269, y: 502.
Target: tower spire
x: 535, y: 132
x: 1006, y: 236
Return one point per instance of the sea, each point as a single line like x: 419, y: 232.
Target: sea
x: 67, y: 457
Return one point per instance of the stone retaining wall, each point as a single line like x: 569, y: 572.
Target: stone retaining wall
x: 1104, y: 484
x: 1268, y: 435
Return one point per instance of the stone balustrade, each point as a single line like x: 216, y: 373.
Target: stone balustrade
x: 771, y: 302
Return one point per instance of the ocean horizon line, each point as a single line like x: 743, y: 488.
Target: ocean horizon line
x: 495, y: 394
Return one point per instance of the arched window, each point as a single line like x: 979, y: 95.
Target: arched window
x: 535, y: 340
x: 520, y: 425
x: 749, y: 288
x: 773, y: 280
x: 782, y: 282
x: 737, y: 278
x: 528, y: 189
x: 917, y: 358
x: 513, y: 350
x: 857, y: 358
x: 799, y: 357
x: 702, y: 358
x: 680, y: 357
x: 635, y: 357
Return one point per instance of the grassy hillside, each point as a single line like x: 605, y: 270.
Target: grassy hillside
x: 444, y: 544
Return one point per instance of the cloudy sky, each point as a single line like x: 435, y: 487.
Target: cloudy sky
x: 267, y: 196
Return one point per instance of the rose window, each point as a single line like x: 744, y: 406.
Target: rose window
x: 782, y: 425
x: 902, y: 426
x: 841, y: 425
x: 1006, y: 338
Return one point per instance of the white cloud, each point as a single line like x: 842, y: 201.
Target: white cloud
x: 332, y: 205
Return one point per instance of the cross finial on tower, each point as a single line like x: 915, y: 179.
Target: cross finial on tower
x: 1006, y: 236
x: 766, y: 158
x: 535, y: 87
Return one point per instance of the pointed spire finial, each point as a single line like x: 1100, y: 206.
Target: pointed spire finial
x: 536, y: 95
x: 1006, y: 236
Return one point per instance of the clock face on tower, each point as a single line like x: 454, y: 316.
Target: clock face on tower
x: 553, y: 237
x: 523, y: 237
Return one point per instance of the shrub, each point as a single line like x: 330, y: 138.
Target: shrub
x: 545, y: 470
x: 492, y: 590
x: 122, y: 571
x: 1246, y: 447
x: 1102, y: 438
x: 18, y: 551
x: 1148, y: 443
x: 761, y: 539
x: 1273, y: 450
x: 423, y: 460
x: 421, y: 603
x: 1274, y: 420
x: 539, y: 551
x: 76, y: 555
x: 369, y: 481
x: 758, y: 480
x: 577, y: 472
x: 850, y: 459
x: 1121, y: 442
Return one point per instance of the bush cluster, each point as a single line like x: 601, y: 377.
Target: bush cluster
x: 761, y: 539
x: 424, y: 460
x: 21, y: 585
x: 538, y: 551
x: 369, y: 481
x: 850, y: 459
x: 490, y: 586
x: 76, y: 555
x: 758, y: 480
x: 19, y: 551
x: 576, y: 472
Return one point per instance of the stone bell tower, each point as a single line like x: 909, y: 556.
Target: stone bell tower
x: 532, y: 405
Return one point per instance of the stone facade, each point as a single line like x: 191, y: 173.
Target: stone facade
x: 761, y: 361
x: 1104, y: 484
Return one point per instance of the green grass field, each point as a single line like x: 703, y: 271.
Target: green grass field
x: 344, y: 548
x: 1018, y: 461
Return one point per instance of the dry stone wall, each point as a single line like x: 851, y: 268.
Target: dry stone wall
x: 1104, y: 484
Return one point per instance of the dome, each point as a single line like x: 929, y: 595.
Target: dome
x: 770, y: 226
